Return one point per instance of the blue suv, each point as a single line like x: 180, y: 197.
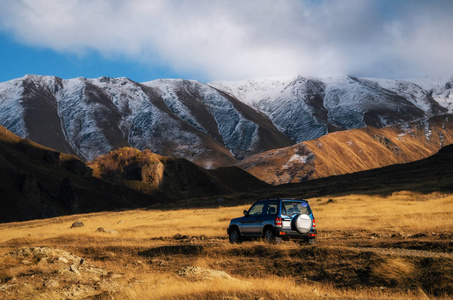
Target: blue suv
x: 274, y: 220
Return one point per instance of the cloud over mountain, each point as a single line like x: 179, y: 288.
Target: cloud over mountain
x: 241, y: 39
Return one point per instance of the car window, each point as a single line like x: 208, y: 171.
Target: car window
x: 272, y: 208
x: 257, y: 209
x: 291, y: 208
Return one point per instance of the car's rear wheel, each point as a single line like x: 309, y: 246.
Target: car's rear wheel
x: 269, y: 236
x: 235, y: 236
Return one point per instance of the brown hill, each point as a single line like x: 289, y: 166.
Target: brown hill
x: 177, y: 178
x: 352, y: 151
x: 39, y: 182
x: 432, y: 174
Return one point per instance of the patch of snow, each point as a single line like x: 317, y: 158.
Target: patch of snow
x: 78, y: 118
x: 401, y: 136
x: 169, y: 92
x: 254, y: 90
x: 297, y: 159
x: 11, y: 109
x: 239, y: 134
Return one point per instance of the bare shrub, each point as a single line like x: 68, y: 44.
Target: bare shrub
x: 393, y: 271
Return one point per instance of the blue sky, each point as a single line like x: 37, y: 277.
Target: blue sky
x: 19, y: 59
x: 225, y: 39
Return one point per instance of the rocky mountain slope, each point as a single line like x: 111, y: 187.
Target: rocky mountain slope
x: 308, y: 108
x: 352, y: 151
x: 212, y: 125
x: 181, y: 118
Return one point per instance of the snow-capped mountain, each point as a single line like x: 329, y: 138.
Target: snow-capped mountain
x: 213, y: 124
x: 307, y: 108
x: 181, y: 118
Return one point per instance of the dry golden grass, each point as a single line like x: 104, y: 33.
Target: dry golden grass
x: 403, y: 212
x: 144, y: 252
x: 393, y: 269
x: 266, y: 288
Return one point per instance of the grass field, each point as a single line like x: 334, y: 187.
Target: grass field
x: 394, y: 247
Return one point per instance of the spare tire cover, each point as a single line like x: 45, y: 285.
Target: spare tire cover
x: 302, y: 223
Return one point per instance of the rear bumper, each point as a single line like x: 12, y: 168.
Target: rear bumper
x: 294, y: 234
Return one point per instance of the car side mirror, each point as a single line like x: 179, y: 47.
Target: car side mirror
x: 246, y: 213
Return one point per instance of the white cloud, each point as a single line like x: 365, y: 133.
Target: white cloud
x: 236, y: 39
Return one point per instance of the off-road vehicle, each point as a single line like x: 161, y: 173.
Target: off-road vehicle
x: 274, y: 220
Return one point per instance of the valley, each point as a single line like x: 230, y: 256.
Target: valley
x: 170, y: 162
x: 383, y: 233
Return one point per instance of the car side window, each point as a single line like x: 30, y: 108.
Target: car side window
x: 257, y: 209
x: 272, y: 208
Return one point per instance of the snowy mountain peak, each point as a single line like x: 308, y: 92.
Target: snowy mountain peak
x: 211, y: 124
x: 172, y: 117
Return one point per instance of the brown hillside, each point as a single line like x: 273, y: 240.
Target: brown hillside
x: 178, y: 178
x: 431, y: 174
x: 38, y: 182
x: 352, y: 151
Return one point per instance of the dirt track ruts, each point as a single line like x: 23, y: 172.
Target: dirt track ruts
x: 404, y: 252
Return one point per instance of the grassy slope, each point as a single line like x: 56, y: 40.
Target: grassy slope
x: 344, y: 263
x: 352, y: 151
x: 424, y: 176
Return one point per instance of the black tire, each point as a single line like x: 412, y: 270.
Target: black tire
x: 269, y: 236
x: 311, y: 241
x: 235, y: 236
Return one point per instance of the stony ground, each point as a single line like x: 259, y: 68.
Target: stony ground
x: 44, y: 269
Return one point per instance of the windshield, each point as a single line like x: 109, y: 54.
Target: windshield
x: 290, y: 208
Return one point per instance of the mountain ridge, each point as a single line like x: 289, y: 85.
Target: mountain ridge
x: 212, y: 125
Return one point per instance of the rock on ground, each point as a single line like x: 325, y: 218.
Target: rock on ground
x: 198, y: 273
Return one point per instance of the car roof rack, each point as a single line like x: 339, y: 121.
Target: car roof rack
x: 298, y: 199
x: 278, y: 198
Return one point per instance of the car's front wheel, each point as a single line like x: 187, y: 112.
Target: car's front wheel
x: 235, y: 236
x: 269, y: 236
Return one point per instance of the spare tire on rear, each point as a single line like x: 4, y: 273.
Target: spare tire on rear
x: 302, y: 223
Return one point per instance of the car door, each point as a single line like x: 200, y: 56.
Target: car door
x: 251, y: 223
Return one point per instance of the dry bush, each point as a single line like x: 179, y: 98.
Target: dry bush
x: 394, y: 271
x: 127, y: 163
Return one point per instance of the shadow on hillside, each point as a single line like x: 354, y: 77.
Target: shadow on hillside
x: 433, y: 174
